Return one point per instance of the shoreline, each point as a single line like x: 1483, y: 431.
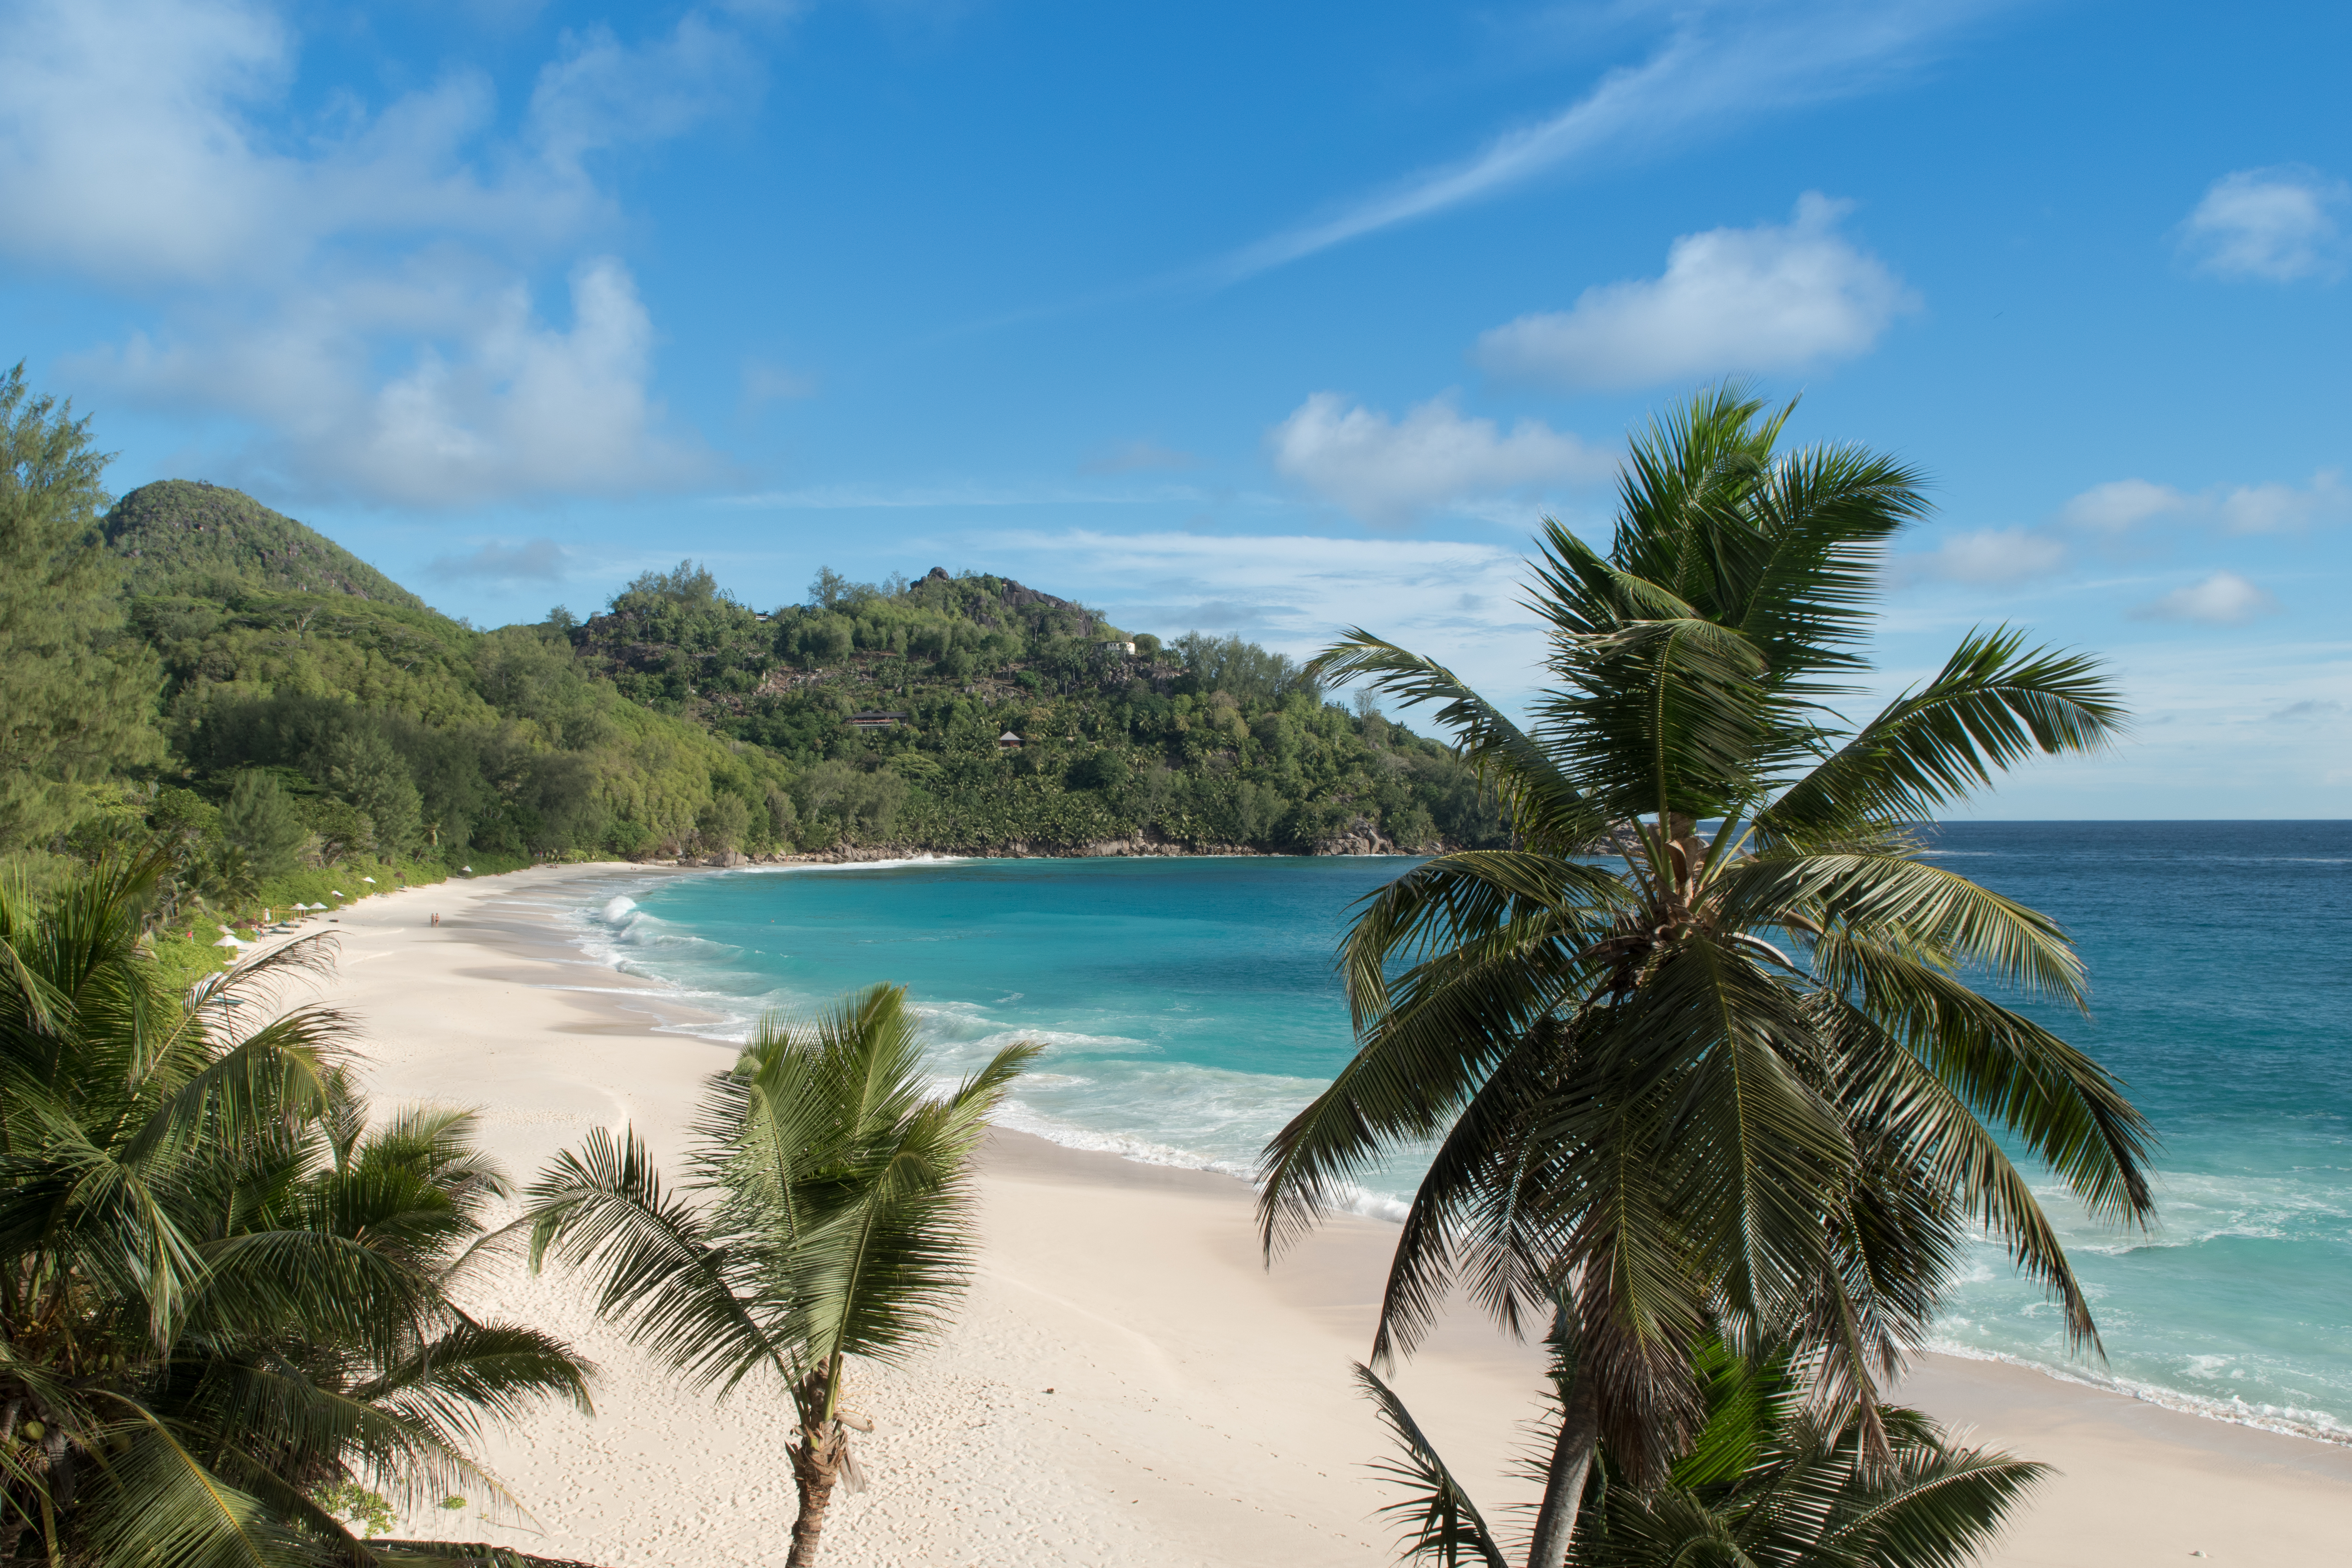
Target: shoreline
x: 1139, y: 1287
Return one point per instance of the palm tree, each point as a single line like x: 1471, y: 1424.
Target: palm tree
x: 222, y: 1293
x: 1736, y: 1082
x: 839, y: 1222
x: 1769, y: 1483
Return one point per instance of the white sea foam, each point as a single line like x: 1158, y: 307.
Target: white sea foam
x: 2289, y: 1419
x: 1020, y: 1117
x: 896, y: 865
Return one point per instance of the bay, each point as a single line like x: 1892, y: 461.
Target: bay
x: 1189, y: 1005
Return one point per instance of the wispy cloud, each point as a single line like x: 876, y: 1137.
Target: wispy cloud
x: 918, y: 498
x: 1775, y: 297
x: 2121, y: 506
x: 496, y: 561
x: 2274, y: 224
x: 1990, y: 558
x: 1297, y: 592
x: 2223, y: 599
x: 764, y: 381
x: 1392, y: 472
x: 1723, y: 64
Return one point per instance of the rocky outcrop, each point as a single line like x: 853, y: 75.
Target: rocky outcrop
x: 1361, y: 836
x: 1016, y: 595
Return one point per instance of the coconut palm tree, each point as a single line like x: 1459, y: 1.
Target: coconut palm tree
x: 1737, y: 1081
x: 222, y: 1292
x: 838, y: 1222
x: 1769, y: 1483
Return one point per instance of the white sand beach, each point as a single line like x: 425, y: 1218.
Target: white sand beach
x: 1128, y: 1383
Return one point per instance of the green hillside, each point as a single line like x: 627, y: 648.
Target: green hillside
x: 891, y: 704
x: 187, y: 536
x: 314, y: 712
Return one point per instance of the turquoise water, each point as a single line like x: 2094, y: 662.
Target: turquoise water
x: 1189, y: 1006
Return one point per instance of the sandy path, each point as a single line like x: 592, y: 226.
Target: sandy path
x: 1200, y: 1410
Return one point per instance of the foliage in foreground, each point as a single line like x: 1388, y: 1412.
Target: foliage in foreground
x: 1738, y: 1083
x: 839, y: 1222
x: 1770, y: 1481
x: 224, y: 1290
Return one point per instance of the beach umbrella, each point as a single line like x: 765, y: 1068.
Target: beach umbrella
x: 468, y: 869
x: 228, y: 941
x: 334, y: 892
x: 367, y: 879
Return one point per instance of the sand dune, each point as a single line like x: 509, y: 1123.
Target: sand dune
x: 1127, y: 1383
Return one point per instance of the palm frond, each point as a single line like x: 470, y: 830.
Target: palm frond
x: 1439, y: 1522
x: 1939, y: 914
x: 661, y: 1273
x: 1989, y: 707
x: 1546, y: 808
x: 2006, y: 1067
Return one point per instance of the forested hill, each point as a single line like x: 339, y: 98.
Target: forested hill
x: 303, y: 708
x: 969, y: 712
x: 186, y: 536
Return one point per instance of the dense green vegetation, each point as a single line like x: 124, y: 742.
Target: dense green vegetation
x: 1205, y: 741
x: 191, y: 673
x: 226, y: 1326
x: 75, y: 687
x: 184, y: 536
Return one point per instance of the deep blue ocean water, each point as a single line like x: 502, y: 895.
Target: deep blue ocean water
x: 1189, y: 1005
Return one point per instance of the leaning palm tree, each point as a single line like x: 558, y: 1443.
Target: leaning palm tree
x: 222, y: 1292
x: 839, y: 1222
x: 1768, y: 1483
x: 1736, y: 1081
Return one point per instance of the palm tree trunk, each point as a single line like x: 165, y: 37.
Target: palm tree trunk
x: 1571, y: 1461
x: 816, y: 1466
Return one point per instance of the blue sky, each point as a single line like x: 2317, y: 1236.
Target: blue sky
x: 1261, y: 318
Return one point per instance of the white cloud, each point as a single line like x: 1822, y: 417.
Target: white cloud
x: 2122, y: 505
x: 494, y: 401
x: 2277, y: 225
x: 1992, y: 557
x: 2223, y: 599
x: 1775, y: 297
x: 355, y: 285
x: 1390, y: 472
x: 2285, y: 508
x: 1723, y: 64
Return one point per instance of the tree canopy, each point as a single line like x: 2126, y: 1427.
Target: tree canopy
x: 75, y: 691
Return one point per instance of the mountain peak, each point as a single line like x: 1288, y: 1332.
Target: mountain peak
x: 187, y: 536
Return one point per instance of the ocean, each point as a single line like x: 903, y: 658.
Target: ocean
x: 1189, y: 1006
